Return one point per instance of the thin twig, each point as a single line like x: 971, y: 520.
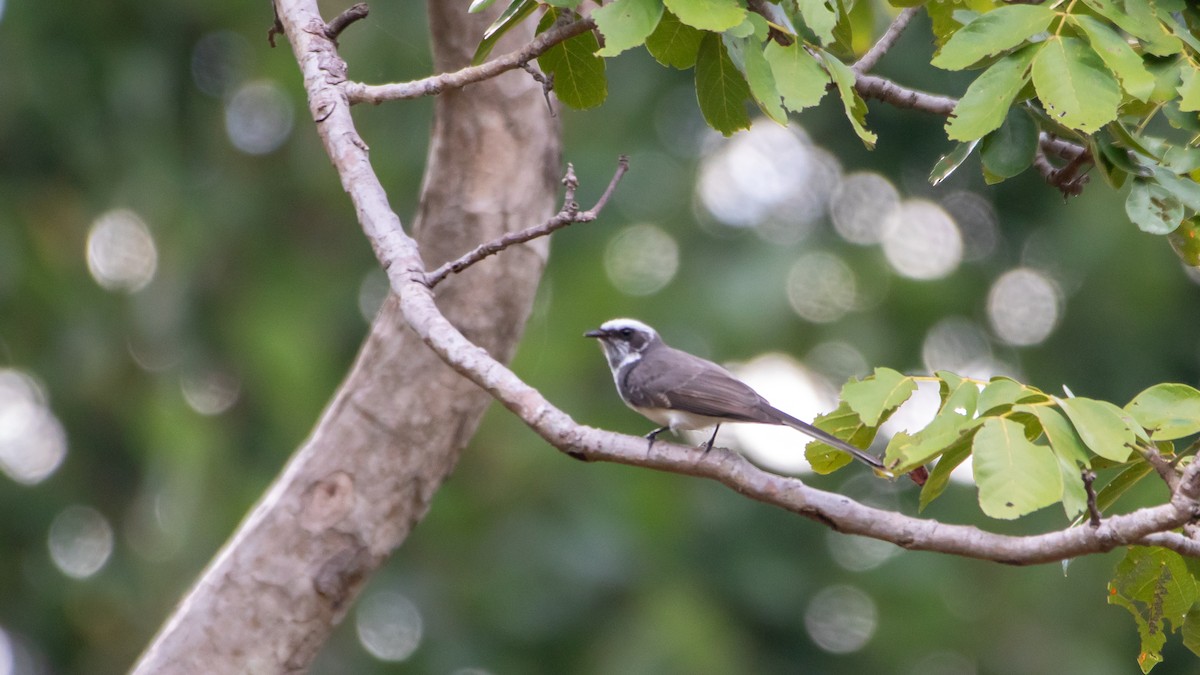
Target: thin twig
x: 342, y: 21
x: 1066, y: 178
x: 436, y: 84
x: 1089, y: 479
x: 889, y: 37
x: 1161, y: 465
x: 568, y: 215
x: 547, y: 82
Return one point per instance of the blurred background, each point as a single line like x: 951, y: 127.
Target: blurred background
x: 182, y: 286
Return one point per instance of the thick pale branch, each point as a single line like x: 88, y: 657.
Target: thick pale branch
x: 377, y: 93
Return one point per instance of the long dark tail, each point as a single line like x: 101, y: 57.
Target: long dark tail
x: 830, y: 439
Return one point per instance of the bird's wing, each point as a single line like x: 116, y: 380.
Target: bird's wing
x: 669, y: 378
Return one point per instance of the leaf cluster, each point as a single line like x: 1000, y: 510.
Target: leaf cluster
x: 1031, y: 450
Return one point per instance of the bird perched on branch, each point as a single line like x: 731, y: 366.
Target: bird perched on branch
x: 681, y: 391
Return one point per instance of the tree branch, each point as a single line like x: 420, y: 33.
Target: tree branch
x: 357, y: 92
x: 885, y: 42
x: 342, y: 21
x: 881, y: 89
x: 568, y: 215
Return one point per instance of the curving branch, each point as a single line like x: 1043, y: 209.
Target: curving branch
x: 401, y: 257
x: 357, y: 92
x: 886, y: 41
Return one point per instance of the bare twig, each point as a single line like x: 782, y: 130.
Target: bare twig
x: 357, y: 92
x: 1066, y: 178
x: 1089, y: 485
x: 885, y: 42
x: 276, y: 26
x: 342, y: 21
x: 568, y: 215
x: 547, y: 82
x: 1162, y: 466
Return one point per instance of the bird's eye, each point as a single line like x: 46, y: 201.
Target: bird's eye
x: 626, y: 332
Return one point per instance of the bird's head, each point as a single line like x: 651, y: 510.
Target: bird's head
x: 624, y: 340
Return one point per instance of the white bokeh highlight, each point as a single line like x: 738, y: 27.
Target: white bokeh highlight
x: 33, y: 443
x: 792, y: 388
x: 258, y: 117
x: 841, y: 619
x: 641, y: 259
x: 821, y: 287
x: 1023, y: 307
x: 389, y: 625
x: 121, y: 253
x: 80, y: 541
x: 860, y: 206
x: 921, y: 241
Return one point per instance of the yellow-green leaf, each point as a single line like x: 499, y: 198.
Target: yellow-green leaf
x: 1074, y: 85
x: 997, y: 31
x: 1118, y: 56
x: 626, y: 24
x: 674, y: 43
x: 856, y: 108
x: 714, y: 15
x: 982, y: 108
x: 800, y: 78
x: 720, y: 88
x: 1015, y: 477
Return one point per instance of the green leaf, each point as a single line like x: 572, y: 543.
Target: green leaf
x: 713, y: 15
x: 949, y: 162
x: 1118, y: 56
x: 983, y: 107
x: 855, y: 107
x: 939, y: 478
x: 761, y: 80
x: 800, y: 78
x: 878, y: 395
x: 1121, y: 483
x: 1075, y: 87
x: 957, y: 394
x: 1009, y: 150
x: 1060, y: 434
x: 906, y: 452
x: 674, y: 43
x: 1168, y: 411
x: 1070, y: 452
x: 720, y: 88
x: 1186, y: 190
x: 1189, y: 90
x: 1191, y: 630
x: 821, y: 16
x: 1153, y: 208
x: 626, y: 24
x: 845, y: 424
x: 479, y: 6
x: 998, y: 30
x: 1101, y: 425
x: 1137, y: 19
x: 1003, y: 392
x: 516, y: 12
x: 579, y: 79
x: 1156, y: 587
x: 1015, y: 477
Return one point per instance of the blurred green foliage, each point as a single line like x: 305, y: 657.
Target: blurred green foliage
x: 528, y: 562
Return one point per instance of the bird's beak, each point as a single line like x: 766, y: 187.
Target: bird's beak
x: 594, y: 333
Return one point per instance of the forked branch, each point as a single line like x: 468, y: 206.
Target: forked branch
x: 569, y: 214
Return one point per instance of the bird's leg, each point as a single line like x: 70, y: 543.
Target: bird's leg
x: 650, y: 436
x: 708, y: 445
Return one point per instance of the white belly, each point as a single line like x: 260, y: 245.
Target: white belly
x: 678, y: 420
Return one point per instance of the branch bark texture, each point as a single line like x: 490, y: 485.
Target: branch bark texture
x: 393, y: 432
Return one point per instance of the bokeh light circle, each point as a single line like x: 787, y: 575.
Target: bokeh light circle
x: 841, y: 619
x: 258, y: 117
x: 860, y: 206
x: 33, y: 443
x: 121, y: 254
x: 1023, y: 307
x: 958, y: 345
x: 922, y: 241
x: 821, y: 287
x: 641, y: 259
x: 81, y: 541
x: 389, y: 626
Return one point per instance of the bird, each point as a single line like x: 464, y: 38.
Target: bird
x: 681, y: 391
